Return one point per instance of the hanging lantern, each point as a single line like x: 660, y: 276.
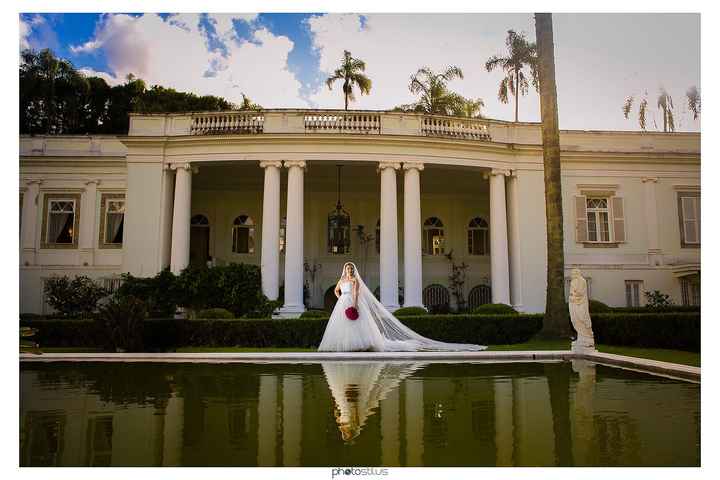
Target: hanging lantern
x: 338, y: 225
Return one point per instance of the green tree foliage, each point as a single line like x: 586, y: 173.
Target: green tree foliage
x: 55, y: 98
x: 76, y: 298
x: 435, y: 97
x: 351, y: 72
x: 520, y: 54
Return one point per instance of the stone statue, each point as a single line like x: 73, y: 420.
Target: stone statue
x: 580, y: 312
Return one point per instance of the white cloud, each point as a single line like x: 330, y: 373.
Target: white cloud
x: 109, y: 79
x: 26, y: 28
x: 600, y: 58
x: 174, y: 53
x: 224, y: 26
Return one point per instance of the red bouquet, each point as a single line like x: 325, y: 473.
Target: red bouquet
x: 351, y: 313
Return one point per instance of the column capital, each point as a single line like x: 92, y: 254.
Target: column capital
x: 496, y: 171
x: 649, y: 179
x: 270, y: 163
x: 186, y: 166
x: 96, y: 181
x: 34, y: 181
x: 416, y: 165
x: 295, y: 163
x: 384, y: 165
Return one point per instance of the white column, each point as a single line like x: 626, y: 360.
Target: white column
x: 294, y: 305
x: 88, y: 215
x: 388, y: 235
x: 499, y: 271
x: 651, y: 217
x: 270, y: 253
x: 180, y: 247
x: 514, y: 241
x: 28, y: 236
x: 414, y: 423
x: 412, y: 224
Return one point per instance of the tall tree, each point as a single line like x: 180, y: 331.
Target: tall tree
x: 351, y: 73
x: 521, y: 54
x: 435, y: 97
x: 555, y: 321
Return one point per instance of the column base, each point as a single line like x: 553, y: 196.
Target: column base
x: 518, y: 307
x: 289, y: 311
x: 417, y: 305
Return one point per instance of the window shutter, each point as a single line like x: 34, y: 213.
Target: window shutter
x: 690, y: 218
x: 581, y: 232
x: 618, y: 213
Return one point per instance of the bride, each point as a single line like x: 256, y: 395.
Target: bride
x: 375, y: 329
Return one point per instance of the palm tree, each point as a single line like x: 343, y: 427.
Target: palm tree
x: 555, y: 321
x: 665, y: 104
x: 470, y: 108
x: 435, y: 97
x: 693, y: 98
x: 350, y: 72
x: 521, y: 54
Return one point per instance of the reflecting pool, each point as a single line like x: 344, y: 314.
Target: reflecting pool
x: 354, y: 413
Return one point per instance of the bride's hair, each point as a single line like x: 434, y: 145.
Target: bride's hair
x: 352, y: 266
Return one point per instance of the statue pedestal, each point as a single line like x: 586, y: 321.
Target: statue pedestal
x: 583, y: 345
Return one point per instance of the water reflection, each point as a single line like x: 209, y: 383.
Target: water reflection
x: 346, y: 413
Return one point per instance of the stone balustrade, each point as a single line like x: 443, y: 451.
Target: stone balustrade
x: 223, y: 123
x: 462, y: 128
x: 365, y: 123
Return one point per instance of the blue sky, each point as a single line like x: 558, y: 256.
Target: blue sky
x: 282, y: 60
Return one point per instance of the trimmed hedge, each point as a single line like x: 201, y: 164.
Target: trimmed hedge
x: 494, y: 309
x: 406, y: 311
x: 679, y: 331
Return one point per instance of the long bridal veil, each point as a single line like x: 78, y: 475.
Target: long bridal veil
x: 396, y: 336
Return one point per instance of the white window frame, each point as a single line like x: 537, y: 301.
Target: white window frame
x: 486, y: 240
x: 249, y: 225
x: 427, y: 247
x: 597, y: 211
x: 633, y: 293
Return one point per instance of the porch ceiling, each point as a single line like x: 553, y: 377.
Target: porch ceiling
x: 355, y: 178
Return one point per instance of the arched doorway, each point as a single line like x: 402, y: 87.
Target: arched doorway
x: 479, y: 295
x: 329, y: 299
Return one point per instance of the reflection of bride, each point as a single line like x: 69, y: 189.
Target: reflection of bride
x: 358, y: 387
x: 375, y: 329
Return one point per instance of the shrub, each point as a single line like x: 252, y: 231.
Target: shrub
x: 597, y: 306
x: 494, y: 308
x: 314, y: 314
x: 405, y: 311
x: 159, y: 292
x: 78, y: 297
x: 120, y: 324
x: 215, y: 313
x: 666, y: 309
x: 657, y: 299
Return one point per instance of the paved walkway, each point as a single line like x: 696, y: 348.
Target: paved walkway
x: 673, y: 370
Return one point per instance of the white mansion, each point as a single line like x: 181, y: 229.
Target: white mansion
x: 415, y: 194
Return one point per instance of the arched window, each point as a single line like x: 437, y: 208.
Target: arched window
x: 199, y: 221
x: 478, y: 237
x: 433, y: 237
x: 377, y: 237
x: 479, y: 295
x: 243, y: 240
x: 283, y: 229
x: 436, y: 298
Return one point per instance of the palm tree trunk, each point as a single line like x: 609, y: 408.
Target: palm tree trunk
x: 555, y: 322
x: 346, y: 102
x: 517, y: 94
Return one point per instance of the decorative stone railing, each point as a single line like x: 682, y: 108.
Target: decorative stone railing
x: 310, y: 122
x: 366, y: 123
x: 463, y: 128
x: 223, y: 123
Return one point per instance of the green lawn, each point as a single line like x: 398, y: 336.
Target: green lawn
x: 663, y: 355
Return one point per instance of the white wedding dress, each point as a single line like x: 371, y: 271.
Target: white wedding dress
x: 375, y: 329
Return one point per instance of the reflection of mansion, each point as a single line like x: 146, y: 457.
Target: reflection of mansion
x: 265, y: 188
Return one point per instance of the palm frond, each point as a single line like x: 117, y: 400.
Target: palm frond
x: 642, y: 113
x: 627, y: 106
x: 693, y: 98
x: 503, y: 91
